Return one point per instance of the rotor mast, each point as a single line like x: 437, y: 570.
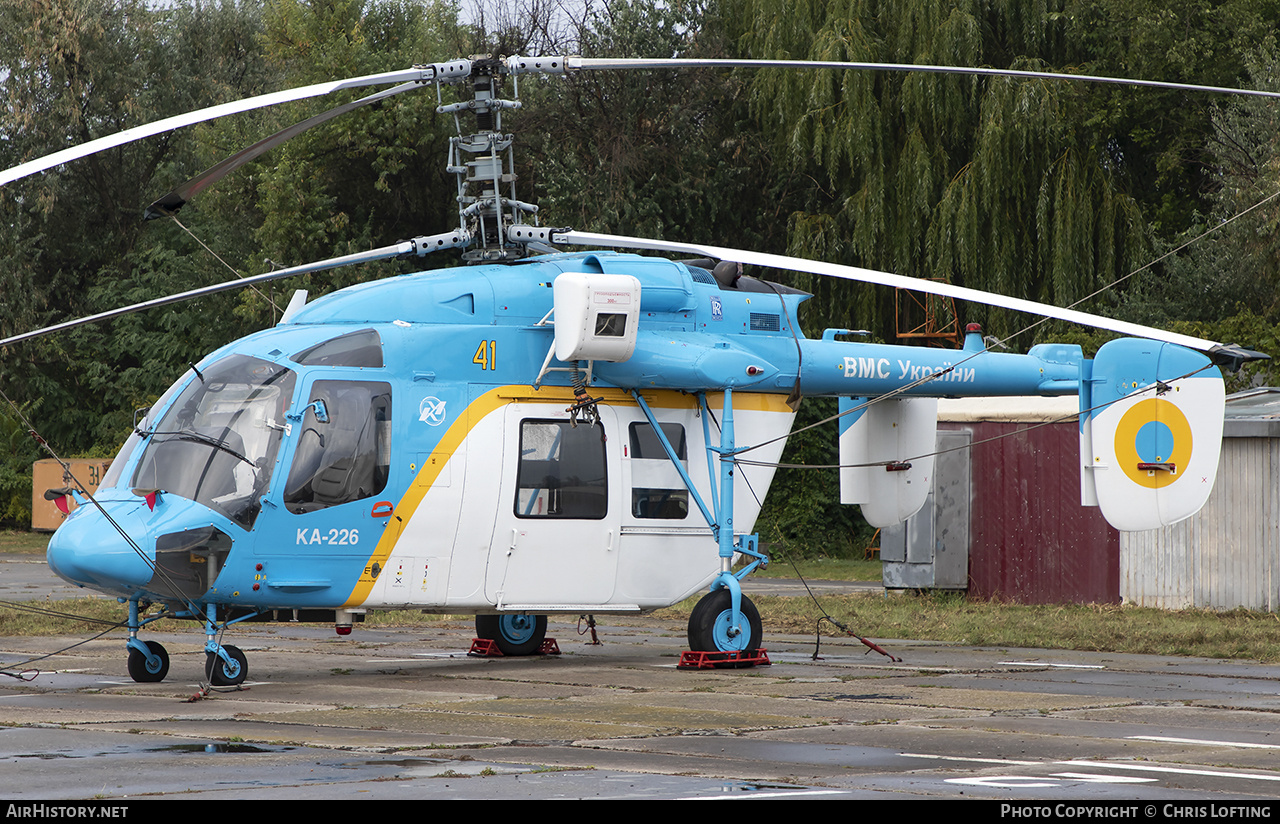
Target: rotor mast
x: 484, y: 162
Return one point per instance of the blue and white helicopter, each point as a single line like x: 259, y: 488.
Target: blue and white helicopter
x: 539, y: 433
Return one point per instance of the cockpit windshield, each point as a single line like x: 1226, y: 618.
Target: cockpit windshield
x: 217, y: 443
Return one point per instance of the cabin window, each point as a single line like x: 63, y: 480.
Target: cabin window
x: 360, y: 349
x: 654, y: 490
x: 343, y: 454
x: 562, y: 471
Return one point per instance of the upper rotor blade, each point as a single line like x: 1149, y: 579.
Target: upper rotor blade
x: 884, y: 279
x: 592, y: 63
x: 178, y: 198
x: 418, y: 74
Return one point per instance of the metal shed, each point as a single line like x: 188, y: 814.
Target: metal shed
x: 1004, y: 518
x: 1007, y: 510
x: 1226, y: 555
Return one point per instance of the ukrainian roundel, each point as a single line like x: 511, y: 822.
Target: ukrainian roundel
x: 1154, y: 432
x: 1151, y: 446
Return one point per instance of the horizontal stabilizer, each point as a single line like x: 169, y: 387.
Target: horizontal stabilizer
x: 886, y: 456
x: 1150, y: 433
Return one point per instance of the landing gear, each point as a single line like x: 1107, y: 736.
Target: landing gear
x: 711, y: 626
x: 224, y: 673
x: 148, y: 660
x: 224, y: 666
x: 149, y: 668
x: 514, y: 634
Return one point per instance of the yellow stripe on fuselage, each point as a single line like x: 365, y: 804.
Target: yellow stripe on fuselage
x: 496, y: 398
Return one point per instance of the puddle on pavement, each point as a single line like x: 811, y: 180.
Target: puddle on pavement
x: 218, y: 747
x: 742, y: 786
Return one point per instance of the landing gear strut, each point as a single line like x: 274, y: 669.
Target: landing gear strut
x: 148, y: 660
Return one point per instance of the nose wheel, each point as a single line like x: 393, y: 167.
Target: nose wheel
x: 228, y: 672
x: 150, y: 667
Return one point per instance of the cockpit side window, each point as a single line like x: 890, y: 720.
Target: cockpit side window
x: 347, y: 456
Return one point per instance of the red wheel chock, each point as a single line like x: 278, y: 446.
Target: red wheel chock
x: 712, y: 660
x: 486, y: 648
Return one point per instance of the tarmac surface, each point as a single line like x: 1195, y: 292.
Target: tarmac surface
x: 406, y: 713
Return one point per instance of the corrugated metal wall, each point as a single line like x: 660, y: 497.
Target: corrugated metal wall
x: 1225, y: 556
x: 1031, y: 541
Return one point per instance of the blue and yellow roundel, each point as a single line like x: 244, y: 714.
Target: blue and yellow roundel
x: 1153, y: 431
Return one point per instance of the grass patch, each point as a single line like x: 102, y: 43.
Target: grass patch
x: 958, y: 619
x: 830, y: 569
x: 945, y: 617
x: 21, y: 542
x: 20, y: 622
x: 89, y: 611
x: 410, y: 618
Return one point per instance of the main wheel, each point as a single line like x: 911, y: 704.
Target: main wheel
x: 514, y: 634
x: 223, y: 674
x: 711, y: 625
x: 149, y: 670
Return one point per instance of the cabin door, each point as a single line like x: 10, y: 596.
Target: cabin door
x: 555, y: 540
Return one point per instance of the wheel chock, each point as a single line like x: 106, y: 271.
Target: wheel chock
x: 487, y: 648
x: 484, y: 648
x: 714, y: 660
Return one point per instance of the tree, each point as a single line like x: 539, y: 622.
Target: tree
x: 1222, y: 277
x: 72, y: 241
x: 75, y: 70
x: 375, y: 176
x: 1029, y: 188
x: 665, y: 154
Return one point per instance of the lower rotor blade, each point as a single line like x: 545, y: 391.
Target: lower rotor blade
x: 855, y: 273
x: 178, y: 198
x: 417, y: 246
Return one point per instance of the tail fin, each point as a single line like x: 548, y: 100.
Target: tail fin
x: 1150, y: 432
x: 879, y: 440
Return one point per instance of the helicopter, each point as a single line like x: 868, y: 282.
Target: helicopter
x: 543, y: 432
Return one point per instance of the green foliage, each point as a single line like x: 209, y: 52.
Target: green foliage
x: 72, y: 242
x: 1156, y: 139
x: 1232, y: 264
x: 656, y: 154
x: 1037, y: 189
x: 15, y: 470
x: 803, y: 516
x: 368, y: 179
x: 1251, y: 331
x: 989, y: 183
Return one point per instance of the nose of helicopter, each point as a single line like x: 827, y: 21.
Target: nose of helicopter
x: 88, y: 551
